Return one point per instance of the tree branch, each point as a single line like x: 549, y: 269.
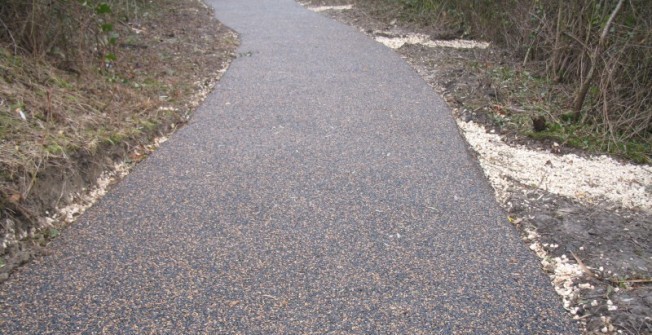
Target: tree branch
x: 597, y: 52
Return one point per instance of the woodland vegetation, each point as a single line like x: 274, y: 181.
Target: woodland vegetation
x: 88, y: 83
x: 599, y: 51
x: 60, y: 91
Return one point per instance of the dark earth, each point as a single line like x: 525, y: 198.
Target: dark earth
x: 616, y: 240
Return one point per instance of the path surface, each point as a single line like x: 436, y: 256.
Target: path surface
x: 322, y: 188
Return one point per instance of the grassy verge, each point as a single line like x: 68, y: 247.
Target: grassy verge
x: 63, y: 123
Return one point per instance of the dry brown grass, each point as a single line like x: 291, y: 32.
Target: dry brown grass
x: 63, y: 118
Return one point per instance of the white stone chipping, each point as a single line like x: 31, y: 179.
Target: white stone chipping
x: 399, y: 41
x: 595, y: 180
x: 83, y: 201
x: 563, y: 274
x: 325, y: 8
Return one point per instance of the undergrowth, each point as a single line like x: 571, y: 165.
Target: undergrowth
x: 521, y: 95
x: 586, y: 66
x: 84, y: 83
x: 51, y: 109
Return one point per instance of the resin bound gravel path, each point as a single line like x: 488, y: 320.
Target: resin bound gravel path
x: 322, y: 188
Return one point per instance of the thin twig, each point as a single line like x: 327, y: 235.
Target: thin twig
x: 13, y: 41
x: 597, y: 52
x: 582, y: 265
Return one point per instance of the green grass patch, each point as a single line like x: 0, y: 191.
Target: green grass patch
x: 586, y: 138
x: 149, y: 125
x: 533, y: 95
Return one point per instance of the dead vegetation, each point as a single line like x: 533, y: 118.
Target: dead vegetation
x: 84, y: 84
x: 592, y: 61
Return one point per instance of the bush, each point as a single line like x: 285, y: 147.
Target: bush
x: 563, y: 37
x: 70, y: 33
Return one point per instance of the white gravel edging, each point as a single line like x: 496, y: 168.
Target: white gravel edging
x: 398, y: 41
x: 593, y: 180
x: 325, y: 8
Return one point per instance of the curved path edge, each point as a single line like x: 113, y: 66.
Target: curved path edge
x: 323, y: 187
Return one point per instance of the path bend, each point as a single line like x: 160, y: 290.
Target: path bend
x: 322, y: 188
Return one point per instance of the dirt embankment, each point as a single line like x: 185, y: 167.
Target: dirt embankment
x: 67, y: 134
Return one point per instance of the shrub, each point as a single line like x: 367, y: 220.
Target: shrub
x: 564, y: 38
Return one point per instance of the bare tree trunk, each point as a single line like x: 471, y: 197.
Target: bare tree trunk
x: 597, y: 52
x: 556, y: 69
